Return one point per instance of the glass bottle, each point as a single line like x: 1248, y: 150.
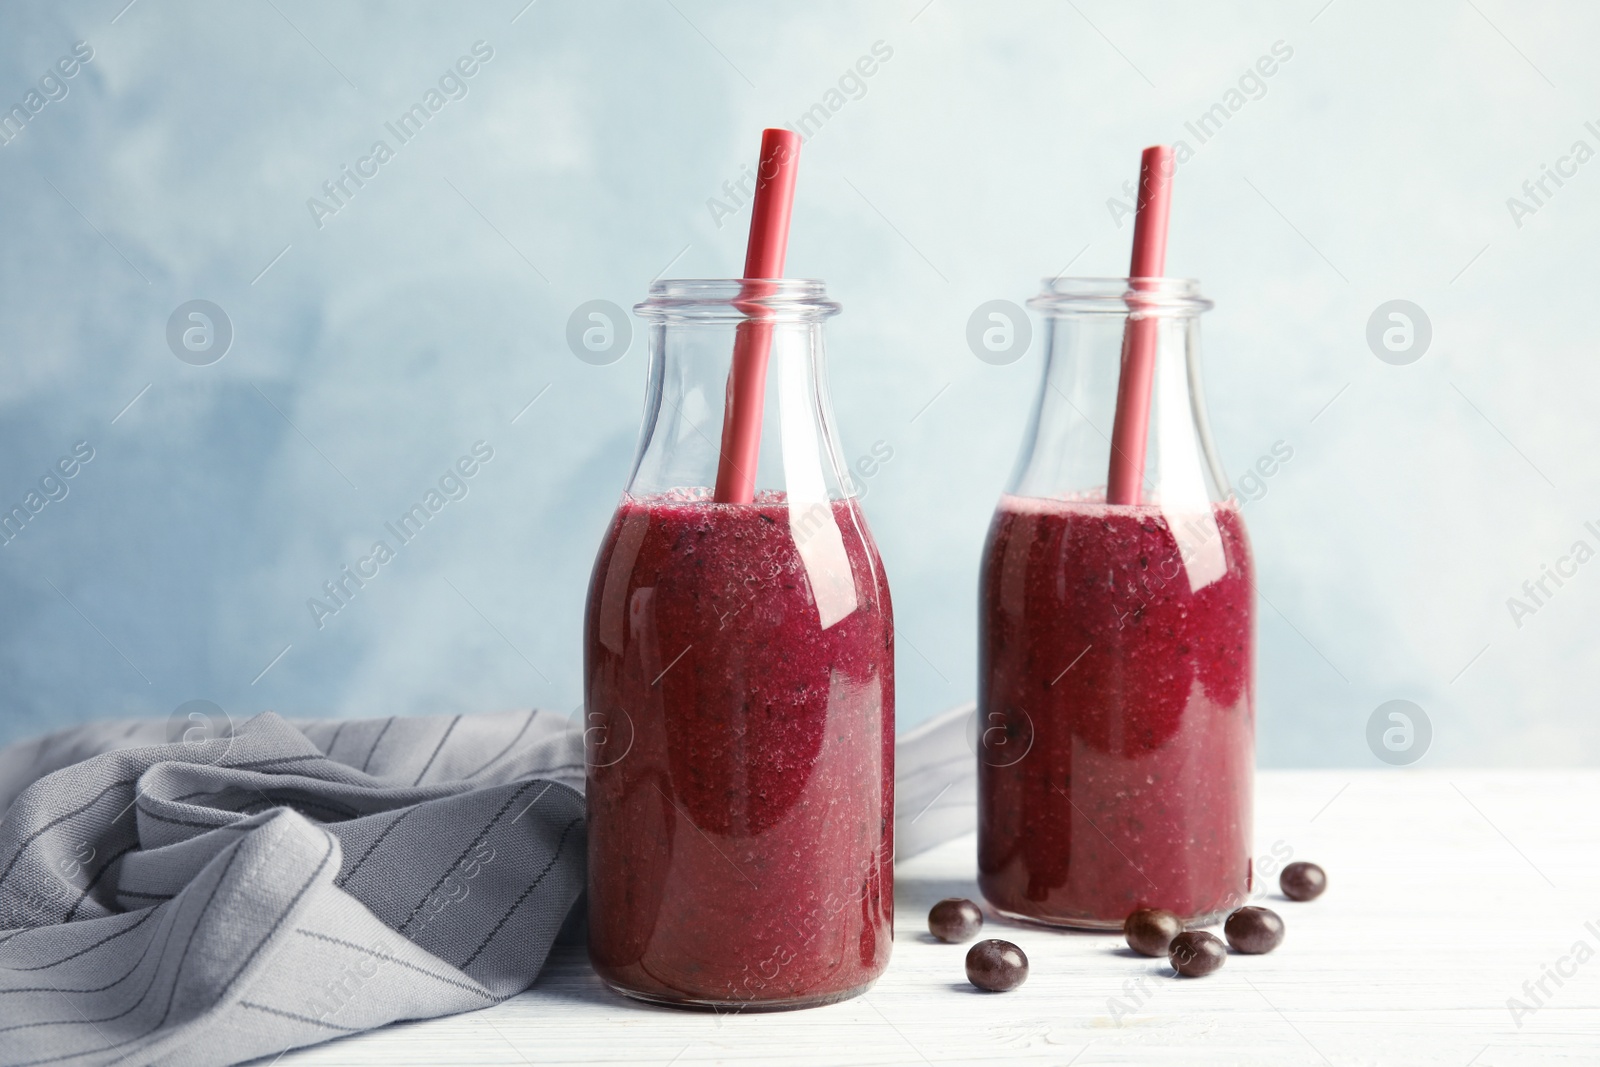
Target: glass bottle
x: 1116, y: 644
x: 739, y: 685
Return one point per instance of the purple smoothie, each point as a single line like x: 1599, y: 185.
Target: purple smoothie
x: 740, y: 792
x: 1118, y: 714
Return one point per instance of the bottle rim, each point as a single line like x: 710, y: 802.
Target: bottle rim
x: 779, y: 300
x: 1169, y: 297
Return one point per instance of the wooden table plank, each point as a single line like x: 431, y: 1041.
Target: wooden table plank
x: 1448, y: 891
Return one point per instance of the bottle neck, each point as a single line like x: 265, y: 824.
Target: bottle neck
x: 695, y: 329
x: 1067, y: 451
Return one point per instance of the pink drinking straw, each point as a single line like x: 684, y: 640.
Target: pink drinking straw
x: 1129, y: 431
x: 747, y: 377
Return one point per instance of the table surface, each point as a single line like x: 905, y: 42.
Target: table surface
x: 1448, y: 890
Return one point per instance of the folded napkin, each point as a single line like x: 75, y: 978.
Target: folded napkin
x: 211, y: 901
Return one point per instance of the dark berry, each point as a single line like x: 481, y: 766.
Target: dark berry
x: 996, y: 965
x: 955, y: 919
x: 1195, y: 953
x: 1303, y: 881
x: 1254, y: 930
x: 1150, y: 930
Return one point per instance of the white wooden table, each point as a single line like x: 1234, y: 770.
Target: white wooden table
x: 1448, y: 891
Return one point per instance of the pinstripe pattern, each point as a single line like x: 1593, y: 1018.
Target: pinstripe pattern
x: 478, y: 837
x: 448, y: 730
x: 229, y: 899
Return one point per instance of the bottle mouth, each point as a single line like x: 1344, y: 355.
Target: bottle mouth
x: 736, y: 300
x: 1119, y: 296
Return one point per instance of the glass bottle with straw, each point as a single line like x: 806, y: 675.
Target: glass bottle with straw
x: 1116, y: 641
x: 739, y: 661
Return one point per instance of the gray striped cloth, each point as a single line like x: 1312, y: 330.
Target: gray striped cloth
x: 214, y: 901
x: 222, y: 898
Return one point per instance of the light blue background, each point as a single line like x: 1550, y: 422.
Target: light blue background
x: 430, y: 310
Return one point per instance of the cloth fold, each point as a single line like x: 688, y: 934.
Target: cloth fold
x: 221, y: 898
x: 215, y: 901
